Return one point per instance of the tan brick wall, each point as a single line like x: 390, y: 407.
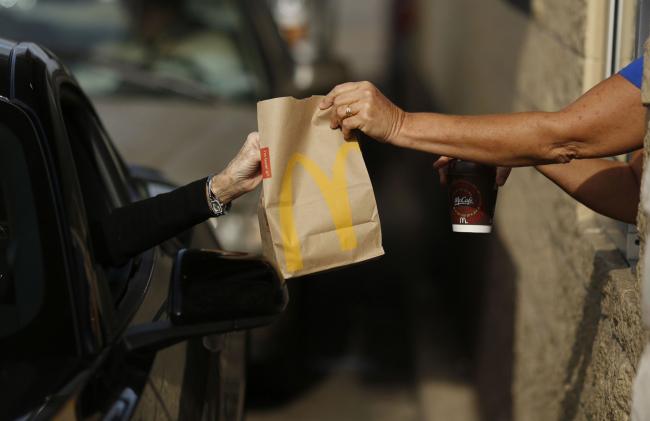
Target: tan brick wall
x: 574, y: 328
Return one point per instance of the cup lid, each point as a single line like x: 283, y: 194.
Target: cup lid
x: 459, y: 166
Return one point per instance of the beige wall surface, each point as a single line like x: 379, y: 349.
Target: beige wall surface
x: 562, y: 331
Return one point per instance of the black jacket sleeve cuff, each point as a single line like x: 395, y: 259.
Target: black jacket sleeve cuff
x: 139, y: 226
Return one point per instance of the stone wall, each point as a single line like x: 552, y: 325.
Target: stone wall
x: 641, y: 388
x: 561, y: 333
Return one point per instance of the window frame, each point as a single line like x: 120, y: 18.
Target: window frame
x: 619, y: 46
x: 642, y: 25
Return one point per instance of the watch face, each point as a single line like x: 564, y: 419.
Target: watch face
x: 216, y: 207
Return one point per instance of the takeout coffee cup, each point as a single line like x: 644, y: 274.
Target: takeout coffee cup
x: 472, y: 196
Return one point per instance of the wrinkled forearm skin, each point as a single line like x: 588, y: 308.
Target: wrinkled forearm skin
x: 608, y: 120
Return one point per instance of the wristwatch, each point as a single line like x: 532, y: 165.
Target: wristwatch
x: 216, y: 206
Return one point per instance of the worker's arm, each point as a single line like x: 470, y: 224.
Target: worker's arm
x: 608, y: 187
x: 607, y: 120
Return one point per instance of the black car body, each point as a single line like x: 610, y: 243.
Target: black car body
x: 83, y: 340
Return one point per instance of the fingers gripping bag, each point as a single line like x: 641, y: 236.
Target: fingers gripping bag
x: 317, y: 210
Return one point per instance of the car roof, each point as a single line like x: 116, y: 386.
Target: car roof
x: 35, y: 61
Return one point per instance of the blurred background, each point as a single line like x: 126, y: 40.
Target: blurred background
x: 538, y: 320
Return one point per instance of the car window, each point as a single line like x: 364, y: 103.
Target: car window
x: 101, y: 179
x: 21, y: 262
x: 97, y: 173
x: 37, y: 334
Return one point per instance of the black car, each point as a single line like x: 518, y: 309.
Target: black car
x: 160, y: 337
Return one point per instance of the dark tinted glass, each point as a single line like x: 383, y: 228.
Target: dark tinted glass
x: 38, y: 346
x: 21, y: 259
x: 90, y: 164
x: 101, y: 178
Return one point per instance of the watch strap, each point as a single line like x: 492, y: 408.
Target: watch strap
x: 216, y: 206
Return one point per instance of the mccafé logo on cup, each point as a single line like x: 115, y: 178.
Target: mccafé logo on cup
x: 466, y: 200
x: 472, y: 196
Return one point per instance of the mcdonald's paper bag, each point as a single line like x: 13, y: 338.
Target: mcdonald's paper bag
x: 318, y: 209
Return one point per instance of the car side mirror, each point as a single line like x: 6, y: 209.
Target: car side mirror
x: 214, y: 292
x: 214, y: 286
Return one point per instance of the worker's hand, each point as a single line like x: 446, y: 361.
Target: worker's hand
x: 242, y: 174
x: 442, y: 165
x: 360, y: 105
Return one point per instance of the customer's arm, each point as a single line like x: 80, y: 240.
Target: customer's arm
x: 607, y: 120
x: 136, y: 227
x: 606, y: 186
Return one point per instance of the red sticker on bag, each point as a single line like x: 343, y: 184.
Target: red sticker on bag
x: 266, y: 163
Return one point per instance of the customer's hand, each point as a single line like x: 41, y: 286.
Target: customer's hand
x: 360, y: 105
x: 442, y: 165
x: 242, y: 174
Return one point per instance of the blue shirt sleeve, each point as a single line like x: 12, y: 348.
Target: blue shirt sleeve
x: 633, y: 72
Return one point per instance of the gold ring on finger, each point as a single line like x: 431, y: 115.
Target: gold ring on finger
x: 348, y: 112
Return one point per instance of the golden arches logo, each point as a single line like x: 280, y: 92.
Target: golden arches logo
x: 335, y: 192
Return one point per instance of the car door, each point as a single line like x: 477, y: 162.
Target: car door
x: 81, y: 308
x: 95, y: 378
x: 138, y: 290
x: 87, y: 185
x: 196, y: 378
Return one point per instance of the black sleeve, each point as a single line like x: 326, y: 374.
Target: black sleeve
x: 134, y: 228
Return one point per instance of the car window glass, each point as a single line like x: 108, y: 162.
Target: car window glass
x: 21, y: 260
x: 102, y: 186
x: 97, y: 199
x: 38, y: 347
